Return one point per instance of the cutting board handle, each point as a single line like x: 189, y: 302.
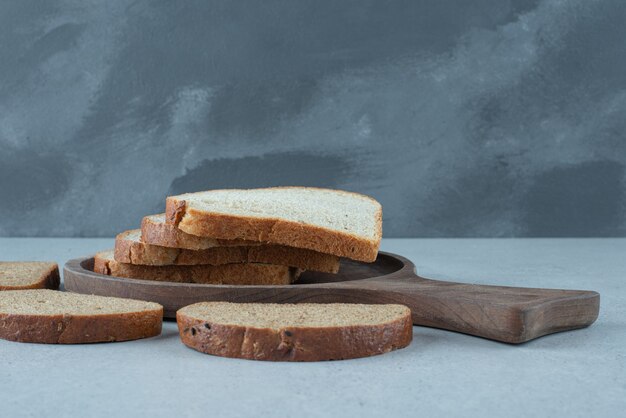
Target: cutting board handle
x: 509, y: 314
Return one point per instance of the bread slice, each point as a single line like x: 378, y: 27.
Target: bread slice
x: 16, y: 275
x: 155, y: 231
x: 130, y: 249
x: 238, y: 274
x: 328, y: 221
x: 288, y: 332
x: 53, y: 317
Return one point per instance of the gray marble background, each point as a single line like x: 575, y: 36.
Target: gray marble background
x: 464, y: 118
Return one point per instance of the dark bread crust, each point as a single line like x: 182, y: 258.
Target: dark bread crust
x: 80, y: 329
x: 49, y: 280
x: 236, y: 274
x: 272, y: 230
x: 139, y: 253
x: 168, y: 235
x: 294, y: 343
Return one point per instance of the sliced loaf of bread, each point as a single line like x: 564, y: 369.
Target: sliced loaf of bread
x: 288, y: 332
x: 130, y: 249
x: 53, y: 317
x: 16, y: 275
x: 236, y: 274
x: 155, y: 231
x: 328, y: 221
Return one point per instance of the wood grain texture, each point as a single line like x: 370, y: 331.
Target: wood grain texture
x: 507, y: 314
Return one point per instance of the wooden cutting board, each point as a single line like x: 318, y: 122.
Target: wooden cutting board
x: 508, y: 314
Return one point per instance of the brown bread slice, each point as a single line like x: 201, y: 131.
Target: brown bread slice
x: 237, y: 274
x: 155, y: 231
x: 130, y: 249
x: 17, y: 275
x: 294, y: 332
x: 53, y: 317
x: 334, y: 222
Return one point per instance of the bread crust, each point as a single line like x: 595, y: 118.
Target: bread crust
x: 272, y: 230
x: 80, y: 329
x: 139, y: 253
x: 235, y: 274
x: 294, y: 343
x: 168, y: 235
x: 49, y: 280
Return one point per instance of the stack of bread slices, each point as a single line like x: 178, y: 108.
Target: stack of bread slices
x: 262, y: 236
x: 245, y: 237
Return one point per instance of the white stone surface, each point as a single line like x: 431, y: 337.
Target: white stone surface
x: 579, y: 373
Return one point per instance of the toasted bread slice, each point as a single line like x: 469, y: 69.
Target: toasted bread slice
x: 18, y: 275
x: 288, y: 332
x: 328, y: 221
x: 53, y: 317
x: 238, y: 274
x: 130, y: 249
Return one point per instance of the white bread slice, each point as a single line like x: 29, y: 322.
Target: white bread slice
x: 288, y: 332
x: 130, y: 249
x: 334, y: 222
x: 53, y: 317
x: 19, y: 275
x: 236, y: 274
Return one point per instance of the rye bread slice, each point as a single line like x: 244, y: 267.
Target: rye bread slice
x: 334, y: 222
x: 18, y: 275
x: 235, y: 274
x: 130, y: 249
x: 53, y: 317
x: 294, y: 332
x: 155, y: 231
